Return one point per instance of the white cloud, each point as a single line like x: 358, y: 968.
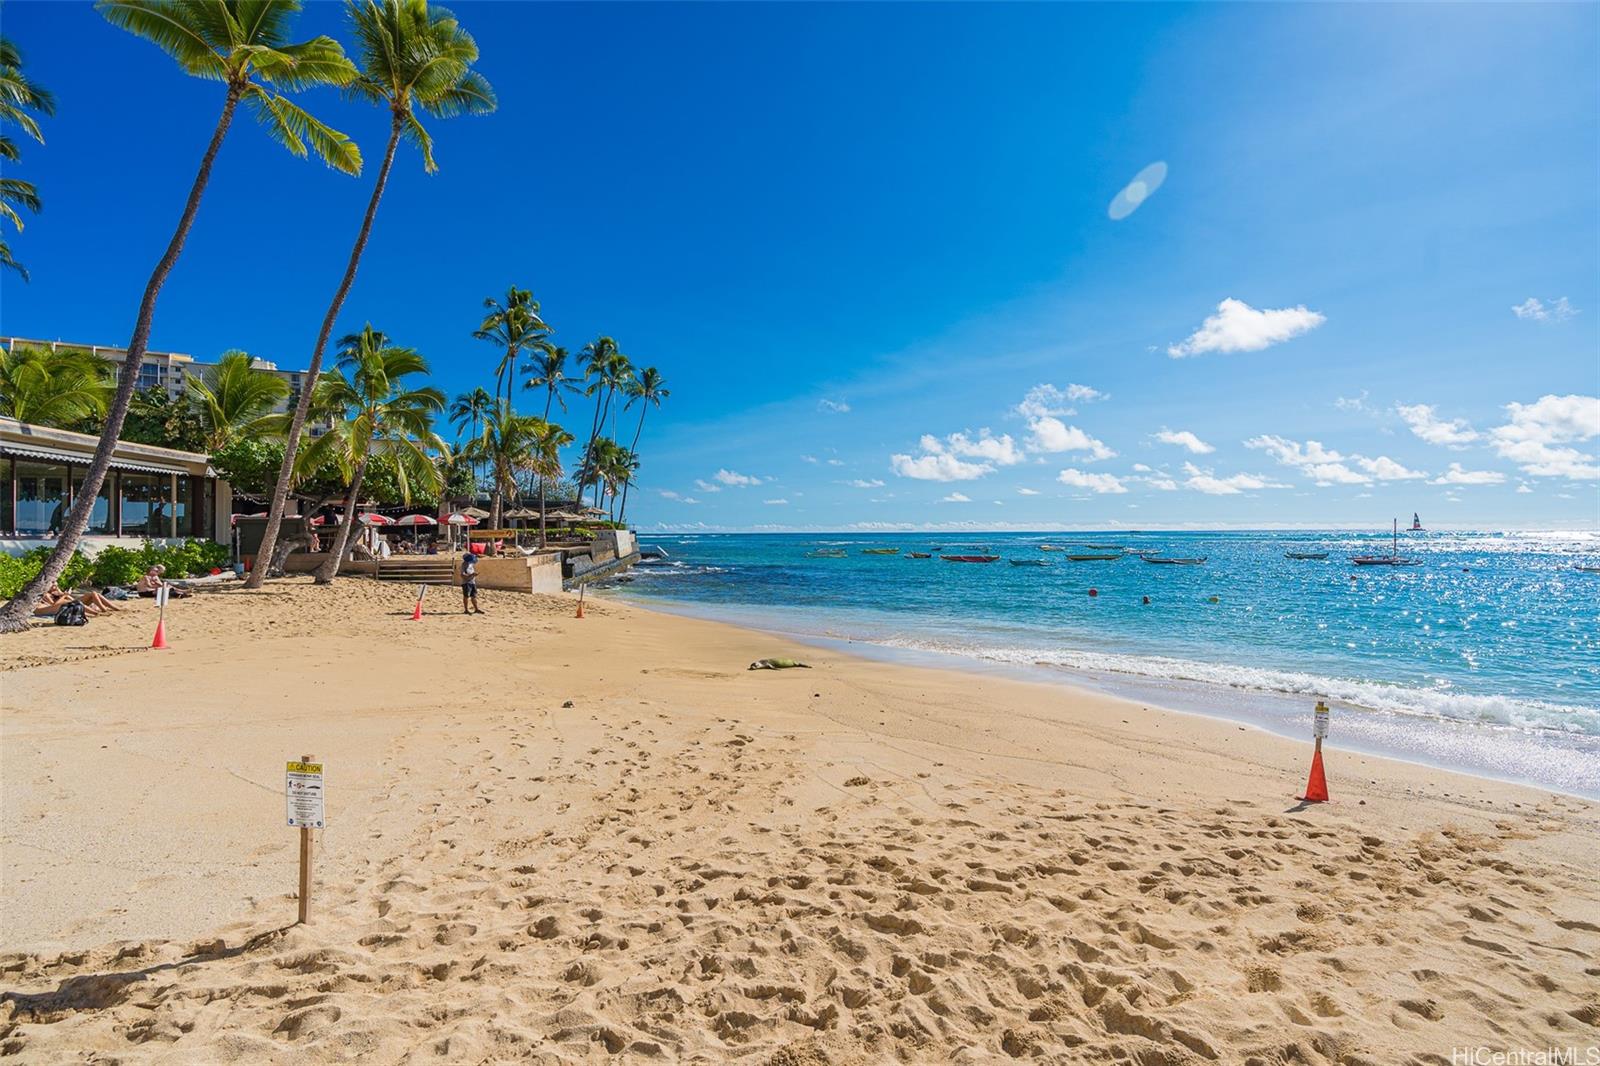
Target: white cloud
x: 808, y: 458
x: 706, y: 486
x: 1140, y: 468
x: 1001, y: 450
x: 833, y: 407
x: 1323, y: 465
x: 1386, y: 469
x: 689, y: 499
x: 1238, y: 327
x: 1353, y: 403
x: 1205, y: 481
x: 1452, y: 433
x: 938, y: 466
x: 1027, y: 492
x: 1184, y: 439
x: 1044, y: 400
x: 775, y: 503
x: 1523, y: 490
x: 1165, y: 484
x: 835, y: 462
x: 865, y: 483
x: 1457, y: 476
x: 957, y: 497
x: 1100, y: 483
x: 729, y: 477
x: 1558, y: 310
x: 1540, y: 435
x: 1053, y: 435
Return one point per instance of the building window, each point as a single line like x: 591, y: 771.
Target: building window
x: 41, y: 499
x: 182, y: 507
x: 99, y: 518
x: 8, y: 490
x: 145, y: 506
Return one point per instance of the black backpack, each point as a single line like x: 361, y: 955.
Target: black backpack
x: 72, y: 614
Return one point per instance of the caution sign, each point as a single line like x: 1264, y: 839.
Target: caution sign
x: 1319, y: 721
x: 303, y: 790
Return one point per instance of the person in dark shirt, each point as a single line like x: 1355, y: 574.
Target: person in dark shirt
x: 469, y: 584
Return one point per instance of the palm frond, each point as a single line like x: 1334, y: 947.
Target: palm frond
x: 176, y: 28
x: 294, y: 128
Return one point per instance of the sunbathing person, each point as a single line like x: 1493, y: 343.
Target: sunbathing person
x: 153, y: 579
x: 56, y: 598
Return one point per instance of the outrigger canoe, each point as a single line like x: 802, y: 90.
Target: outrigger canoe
x: 969, y: 558
x: 826, y: 553
x: 880, y: 551
x: 1305, y: 555
x: 919, y: 555
x: 1176, y: 562
x: 1098, y: 558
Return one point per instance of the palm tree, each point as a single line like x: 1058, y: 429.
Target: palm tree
x: 412, y: 59
x: 235, y: 399
x: 610, y: 370
x: 373, y: 406
x: 243, y: 44
x: 549, y: 369
x: 18, y: 97
x: 467, y: 411
x: 505, y: 445
x: 514, y: 325
x: 544, y: 460
x: 53, y: 387
x: 647, y: 390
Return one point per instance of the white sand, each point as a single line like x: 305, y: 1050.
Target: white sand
x: 857, y: 863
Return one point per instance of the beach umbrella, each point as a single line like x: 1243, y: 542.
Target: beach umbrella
x: 475, y: 512
x: 461, y: 518
x: 417, y: 521
x: 376, y: 519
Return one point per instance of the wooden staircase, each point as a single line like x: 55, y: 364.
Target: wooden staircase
x: 419, y: 569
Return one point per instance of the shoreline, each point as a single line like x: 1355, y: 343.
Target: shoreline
x: 1279, y: 713
x: 563, y: 841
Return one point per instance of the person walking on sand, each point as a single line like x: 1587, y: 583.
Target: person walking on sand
x: 469, y: 584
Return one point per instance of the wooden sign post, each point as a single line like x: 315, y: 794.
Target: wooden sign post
x: 303, y: 789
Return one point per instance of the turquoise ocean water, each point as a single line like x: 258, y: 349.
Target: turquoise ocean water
x: 1485, y: 658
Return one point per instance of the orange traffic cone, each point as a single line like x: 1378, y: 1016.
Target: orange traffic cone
x: 161, y: 635
x: 416, y: 612
x: 580, y: 608
x: 1317, y: 787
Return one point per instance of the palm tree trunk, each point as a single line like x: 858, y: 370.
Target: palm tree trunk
x: 302, y: 407
x: 330, y: 566
x: 542, y: 538
x: 633, y: 451
x: 15, y: 616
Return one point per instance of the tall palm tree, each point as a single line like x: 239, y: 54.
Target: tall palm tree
x: 514, y: 325
x: 234, y: 399
x: 609, y: 370
x: 467, y: 411
x: 549, y: 369
x: 58, y: 387
x: 243, y: 44
x: 544, y: 461
x: 505, y: 445
x: 19, y: 97
x: 413, y: 58
x: 370, y: 404
x: 646, y: 389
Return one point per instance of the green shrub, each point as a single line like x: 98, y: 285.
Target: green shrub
x: 17, y: 570
x: 117, y: 566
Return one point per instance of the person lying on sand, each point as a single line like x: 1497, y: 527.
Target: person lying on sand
x: 778, y: 664
x: 56, y: 598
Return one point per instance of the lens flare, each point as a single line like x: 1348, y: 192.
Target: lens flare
x: 1137, y: 191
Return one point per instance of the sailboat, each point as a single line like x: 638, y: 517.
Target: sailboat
x: 1416, y: 522
x: 1394, y: 558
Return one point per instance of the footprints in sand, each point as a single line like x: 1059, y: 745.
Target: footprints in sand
x: 585, y: 886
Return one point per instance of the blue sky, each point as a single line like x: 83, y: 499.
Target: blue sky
x: 857, y: 239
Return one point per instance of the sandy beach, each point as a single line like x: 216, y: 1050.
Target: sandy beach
x: 560, y: 840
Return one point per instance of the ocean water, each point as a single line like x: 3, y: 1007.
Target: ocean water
x: 1485, y: 658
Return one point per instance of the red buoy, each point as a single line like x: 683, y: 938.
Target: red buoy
x: 1094, y: 592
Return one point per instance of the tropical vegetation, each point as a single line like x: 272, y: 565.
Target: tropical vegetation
x: 415, y: 61
x: 412, y: 58
x: 22, y: 102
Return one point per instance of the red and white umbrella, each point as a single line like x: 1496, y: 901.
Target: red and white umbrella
x: 459, y: 519
x: 376, y: 519
x: 319, y: 521
x: 417, y: 520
